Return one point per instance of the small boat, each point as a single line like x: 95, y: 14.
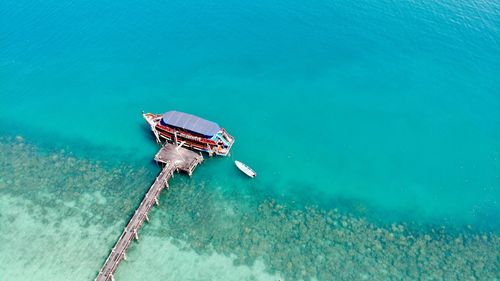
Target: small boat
x: 245, y: 169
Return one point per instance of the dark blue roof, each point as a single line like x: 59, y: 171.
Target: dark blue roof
x: 190, y: 122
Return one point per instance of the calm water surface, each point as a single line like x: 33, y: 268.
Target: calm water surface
x: 372, y: 117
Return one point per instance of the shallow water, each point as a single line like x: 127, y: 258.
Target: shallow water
x: 358, y: 117
x: 55, y: 230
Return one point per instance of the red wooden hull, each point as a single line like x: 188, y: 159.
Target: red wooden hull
x: 210, y: 145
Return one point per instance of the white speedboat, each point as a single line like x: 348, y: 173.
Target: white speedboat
x: 245, y: 169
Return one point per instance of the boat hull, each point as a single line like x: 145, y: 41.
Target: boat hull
x: 245, y: 169
x: 212, y: 146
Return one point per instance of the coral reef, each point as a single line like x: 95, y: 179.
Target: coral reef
x: 315, y: 244
x: 299, y: 243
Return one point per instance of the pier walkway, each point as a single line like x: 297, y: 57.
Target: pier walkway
x: 174, y: 158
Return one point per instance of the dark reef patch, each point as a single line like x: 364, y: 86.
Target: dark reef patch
x: 300, y: 242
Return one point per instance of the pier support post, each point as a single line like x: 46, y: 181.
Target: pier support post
x: 124, y: 256
x: 136, y: 235
x: 112, y: 277
x: 156, y: 201
x: 147, y: 218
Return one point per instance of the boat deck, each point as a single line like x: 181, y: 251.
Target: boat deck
x: 175, y: 158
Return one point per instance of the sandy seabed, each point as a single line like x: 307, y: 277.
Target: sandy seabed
x: 60, y: 215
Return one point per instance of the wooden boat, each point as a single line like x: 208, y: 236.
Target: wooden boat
x: 192, y: 131
x: 245, y: 169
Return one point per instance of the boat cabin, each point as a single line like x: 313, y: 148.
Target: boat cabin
x: 190, y: 130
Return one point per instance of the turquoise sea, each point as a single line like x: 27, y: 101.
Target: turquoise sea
x: 374, y: 127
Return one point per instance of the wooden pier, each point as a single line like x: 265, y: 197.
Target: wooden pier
x: 175, y: 158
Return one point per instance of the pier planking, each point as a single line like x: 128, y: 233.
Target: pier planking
x: 174, y: 158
